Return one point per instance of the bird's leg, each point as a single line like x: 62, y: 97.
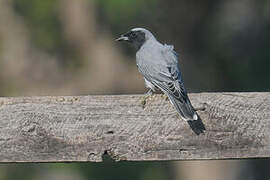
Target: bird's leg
x: 147, y: 95
x: 149, y: 92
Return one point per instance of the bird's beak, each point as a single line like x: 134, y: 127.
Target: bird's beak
x: 122, y: 38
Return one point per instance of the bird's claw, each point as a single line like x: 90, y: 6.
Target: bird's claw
x: 165, y: 97
x: 147, y: 95
x: 149, y: 92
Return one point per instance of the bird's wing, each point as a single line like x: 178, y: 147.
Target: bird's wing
x: 162, y: 71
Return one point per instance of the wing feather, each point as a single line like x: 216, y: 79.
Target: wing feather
x: 160, y: 67
x: 167, y: 77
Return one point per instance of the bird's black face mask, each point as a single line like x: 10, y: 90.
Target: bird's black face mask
x: 135, y: 37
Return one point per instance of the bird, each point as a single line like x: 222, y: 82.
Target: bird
x: 158, y: 63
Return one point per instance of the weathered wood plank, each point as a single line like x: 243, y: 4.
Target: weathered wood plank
x: 83, y: 128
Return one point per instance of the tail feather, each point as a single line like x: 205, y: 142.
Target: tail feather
x: 187, y: 112
x: 197, y: 126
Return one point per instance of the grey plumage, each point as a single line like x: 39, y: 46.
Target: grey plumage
x: 159, y: 65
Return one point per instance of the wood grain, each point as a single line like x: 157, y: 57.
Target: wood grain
x: 84, y: 128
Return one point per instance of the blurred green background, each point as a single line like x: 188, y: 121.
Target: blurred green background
x: 66, y: 47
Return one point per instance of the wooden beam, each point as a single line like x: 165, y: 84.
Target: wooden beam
x: 84, y: 128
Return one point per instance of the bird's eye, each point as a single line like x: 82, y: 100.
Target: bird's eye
x: 133, y: 35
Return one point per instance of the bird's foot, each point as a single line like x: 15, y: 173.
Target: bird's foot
x: 149, y: 92
x: 164, y: 96
x: 147, y: 95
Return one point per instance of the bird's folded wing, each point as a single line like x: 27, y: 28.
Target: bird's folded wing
x: 167, y: 77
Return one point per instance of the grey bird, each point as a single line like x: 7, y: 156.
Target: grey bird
x: 158, y: 63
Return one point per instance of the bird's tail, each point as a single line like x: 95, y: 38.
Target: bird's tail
x: 187, y: 112
x: 197, y: 125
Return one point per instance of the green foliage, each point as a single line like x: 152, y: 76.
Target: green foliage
x: 100, y: 171
x: 122, y: 13
x: 124, y: 9
x: 154, y: 172
x: 242, y: 56
x: 19, y: 171
x: 43, y: 22
x: 267, y: 10
x: 124, y: 170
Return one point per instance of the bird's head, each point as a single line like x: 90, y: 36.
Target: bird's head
x: 136, y: 36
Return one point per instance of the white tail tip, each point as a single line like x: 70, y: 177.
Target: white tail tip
x: 195, y: 116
